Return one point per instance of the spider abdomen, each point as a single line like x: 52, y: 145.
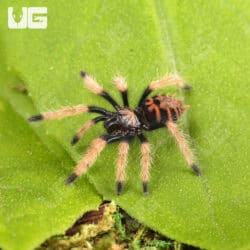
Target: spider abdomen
x: 160, y: 109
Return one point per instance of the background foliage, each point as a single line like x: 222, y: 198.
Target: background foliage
x: 208, y: 44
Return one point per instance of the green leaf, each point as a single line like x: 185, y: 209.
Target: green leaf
x: 208, y: 44
x: 35, y: 204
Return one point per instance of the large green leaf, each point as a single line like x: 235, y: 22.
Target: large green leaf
x: 208, y: 44
x: 34, y: 202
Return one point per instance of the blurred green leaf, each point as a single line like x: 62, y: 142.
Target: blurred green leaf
x: 208, y: 44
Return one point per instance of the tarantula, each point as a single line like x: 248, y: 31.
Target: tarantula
x: 125, y: 124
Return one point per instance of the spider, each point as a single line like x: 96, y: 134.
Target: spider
x: 125, y: 124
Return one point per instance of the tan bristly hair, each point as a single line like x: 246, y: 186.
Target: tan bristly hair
x: 120, y: 83
x: 68, y: 111
x: 92, y: 84
x: 166, y: 81
x: 182, y: 142
x: 89, y: 158
x: 122, y: 161
x: 145, y: 161
x: 83, y: 129
x: 185, y: 107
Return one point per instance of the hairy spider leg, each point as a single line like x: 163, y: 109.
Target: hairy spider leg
x: 91, y: 155
x: 121, y: 85
x: 145, y: 162
x: 121, y: 164
x: 67, y: 111
x: 183, y: 145
x: 85, y: 128
x: 164, y: 82
x: 95, y: 87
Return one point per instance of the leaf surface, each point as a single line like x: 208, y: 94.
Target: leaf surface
x: 208, y: 44
x: 35, y: 204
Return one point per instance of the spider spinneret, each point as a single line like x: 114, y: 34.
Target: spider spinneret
x: 125, y: 124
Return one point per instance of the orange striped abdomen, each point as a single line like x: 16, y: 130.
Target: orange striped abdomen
x: 160, y: 109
